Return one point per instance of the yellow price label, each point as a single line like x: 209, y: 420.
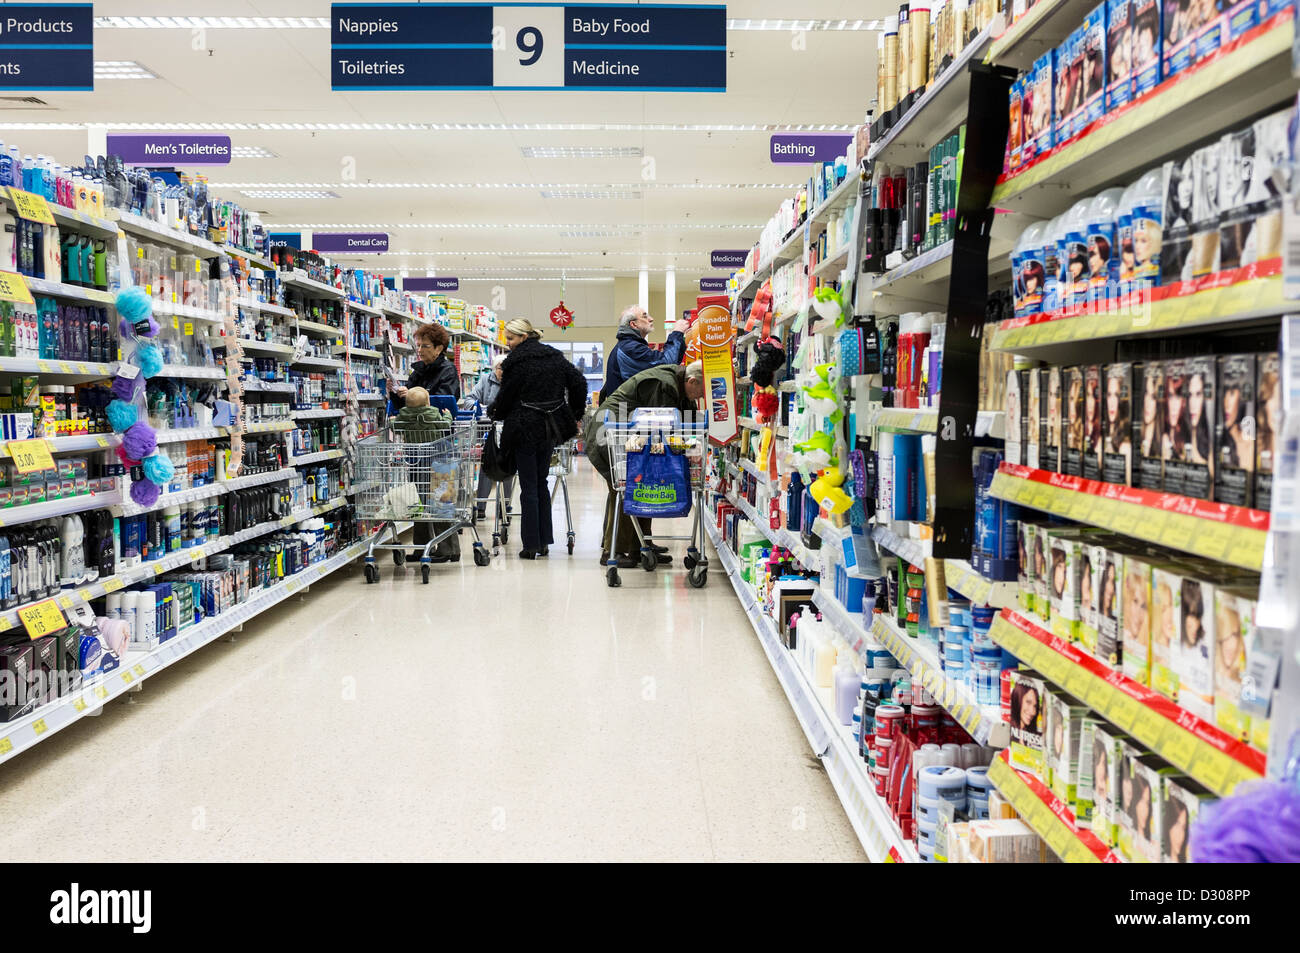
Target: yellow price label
x: 189, y: 328
x: 139, y: 670
x: 6, y: 746
x: 102, y: 442
x: 32, y: 207
x: 40, y: 727
x: 1123, y: 710
x: 112, y: 585
x: 128, y: 677
x: 79, y: 705
x: 14, y: 288
x: 66, y: 602
x: 85, y: 595
x: 101, y: 691
x: 1148, y: 727
x: 1179, y: 747
x: 176, y: 323
x: 1210, y: 767
x: 42, y: 619
x: 31, y: 455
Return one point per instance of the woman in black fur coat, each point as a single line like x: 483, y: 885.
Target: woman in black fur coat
x: 541, y: 402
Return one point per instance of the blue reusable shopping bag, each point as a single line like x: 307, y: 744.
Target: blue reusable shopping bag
x: 658, y: 484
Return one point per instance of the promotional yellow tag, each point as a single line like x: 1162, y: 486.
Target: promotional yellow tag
x: 31, y: 455
x: 34, y: 208
x: 42, y: 619
x: 189, y: 328
x: 14, y: 288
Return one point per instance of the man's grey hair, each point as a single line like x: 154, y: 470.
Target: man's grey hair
x: 695, y: 371
x: 630, y: 314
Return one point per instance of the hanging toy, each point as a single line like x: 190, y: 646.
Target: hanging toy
x: 561, y: 317
x: 826, y: 491
x: 829, y: 305
x: 770, y: 359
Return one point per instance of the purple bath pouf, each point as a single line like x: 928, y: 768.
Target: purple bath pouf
x: 139, y: 441
x: 127, y: 388
x: 145, y: 492
x: 1259, y: 824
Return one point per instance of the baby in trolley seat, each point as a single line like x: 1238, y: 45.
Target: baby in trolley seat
x: 418, y: 422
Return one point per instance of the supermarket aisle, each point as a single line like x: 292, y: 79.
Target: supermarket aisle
x: 518, y: 712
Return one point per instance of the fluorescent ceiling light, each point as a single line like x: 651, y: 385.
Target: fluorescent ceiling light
x: 289, y: 194
x: 252, y: 152
x: 504, y: 253
x: 624, y: 195
x: 121, y: 69
x: 582, y: 152
x: 763, y: 128
x: 613, y: 229
x: 797, y: 26
x: 600, y: 233
x: 585, y: 188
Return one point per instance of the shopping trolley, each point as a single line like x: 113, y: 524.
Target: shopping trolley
x: 406, y: 479
x: 653, y: 431
x: 500, y: 504
x: 562, y: 469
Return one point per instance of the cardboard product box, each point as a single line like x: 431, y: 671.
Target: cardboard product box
x: 1108, y: 564
x: 16, y: 697
x: 1175, y: 431
x: 1037, y: 108
x: 1135, y: 618
x: 1234, y: 476
x: 1028, y: 721
x: 1050, y: 421
x: 1016, y: 125
x: 1271, y: 142
x: 1093, y: 418
x: 1183, y: 21
x: 45, y: 670
x: 1032, y: 564
x: 1107, y: 765
x: 1126, y: 807
x: 1063, y: 741
x: 69, y: 651
x: 1073, y: 425
x: 1084, y: 788
x: 1193, y: 655
x: 1069, y: 86
x: 1199, y: 415
x: 1166, y: 616
x: 1117, y: 425
x: 1148, y: 42
x: 1236, y: 217
x: 1176, y: 225
x: 1043, y: 572
x: 1206, y: 206
x: 1004, y: 842
x: 1033, y: 416
x: 1148, y: 425
x: 1246, y: 663
x: 1182, y: 802
x: 1015, y: 417
x: 1149, y: 777
x: 1268, y: 423
x: 1119, y: 53
x: 1093, y: 43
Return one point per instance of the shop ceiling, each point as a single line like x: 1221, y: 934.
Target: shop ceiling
x: 525, y: 184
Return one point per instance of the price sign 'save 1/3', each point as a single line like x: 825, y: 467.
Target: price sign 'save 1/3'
x: 658, y: 47
x: 41, y: 619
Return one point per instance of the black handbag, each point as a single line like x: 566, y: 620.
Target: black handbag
x: 497, y: 464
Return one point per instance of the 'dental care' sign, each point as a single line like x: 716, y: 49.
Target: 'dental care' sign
x: 528, y: 46
x: 358, y: 243
x: 47, y: 46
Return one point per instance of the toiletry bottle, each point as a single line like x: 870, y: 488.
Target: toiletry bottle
x: 130, y: 603
x: 146, y: 618
x: 113, y: 606
x: 6, y: 167
x: 71, y: 552
x: 7, y: 599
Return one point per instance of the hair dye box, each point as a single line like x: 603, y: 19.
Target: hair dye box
x: 1193, y: 654
x: 1050, y: 400
x: 1119, y: 53
x: 1027, y: 721
x: 1037, y: 108
x: 1135, y: 618
x: 1093, y: 420
x: 1147, y: 46
x: 1072, y: 379
x: 1206, y: 207
x: 1063, y: 742
x: 1093, y: 43
x: 1033, y: 416
x: 1117, y: 424
x: 1166, y: 586
x: 1234, y: 475
x: 1245, y: 666
x: 1196, y: 464
x: 1149, y: 776
x: 1108, y: 568
x: 1183, y: 20
x: 1176, y: 224
x: 1181, y: 806
x: 1015, y: 416
x: 1268, y: 420
x: 1148, y: 425
x: 1107, y: 760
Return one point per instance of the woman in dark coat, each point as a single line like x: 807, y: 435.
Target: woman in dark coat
x: 541, y: 401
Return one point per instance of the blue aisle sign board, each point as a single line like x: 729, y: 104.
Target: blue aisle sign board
x: 728, y: 257
x: 431, y: 284
x: 47, y: 46
x: 528, y: 46
x: 354, y: 243
x: 799, y: 148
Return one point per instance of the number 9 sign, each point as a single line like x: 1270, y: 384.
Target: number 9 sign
x: 527, y: 46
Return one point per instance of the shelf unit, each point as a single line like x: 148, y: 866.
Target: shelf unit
x: 250, y: 305
x: 76, y: 444
x: 298, y: 279
x: 146, y: 228
x: 306, y: 361
x: 136, y: 667
x: 1042, y: 28
x: 195, y: 493
x: 867, y: 812
x: 777, y: 537
x: 319, y: 457
x: 57, y: 289
x: 988, y: 423
x: 48, y: 509
x: 168, y: 309
x: 317, y: 414
x: 318, y: 329
x: 1202, y: 750
x: 71, y: 219
x: 1230, y: 534
x: 1047, y: 815
x: 266, y: 347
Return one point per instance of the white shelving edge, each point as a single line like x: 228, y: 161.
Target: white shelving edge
x: 29, y: 730
x: 298, y: 278
x: 57, y: 289
x: 16, y: 515
x: 139, y: 225
x: 316, y: 414
x: 264, y: 307
x: 912, y: 550
x: 94, y: 441
x: 831, y: 742
x: 317, y: 362
x: 316, y: 327
x: 320, y: 457
x: 167, y: 309
x: 210, y: 489
x: 266, y: 347
x: 777, y: 537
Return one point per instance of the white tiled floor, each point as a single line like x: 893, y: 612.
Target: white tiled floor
x: 521, y: 711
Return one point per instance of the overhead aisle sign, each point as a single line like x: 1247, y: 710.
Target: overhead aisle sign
x: 528, y: 46
x: 47, y: 46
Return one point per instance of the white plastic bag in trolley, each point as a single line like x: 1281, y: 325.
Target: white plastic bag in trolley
x: 401, y: 503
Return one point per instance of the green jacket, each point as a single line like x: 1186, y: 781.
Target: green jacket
x: 421, y: 424
x: 661, y: 386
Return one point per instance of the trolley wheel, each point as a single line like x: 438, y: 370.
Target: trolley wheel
x: 570, y: 544
x: 505, y: 532
x: 698, y: 577
x: 399, y: 557
x: 424, y: 573
x: 611, y: 577
x: 649, y: 560
x: 372, y: 573
x: 689, y: 561
x: 481, y: 557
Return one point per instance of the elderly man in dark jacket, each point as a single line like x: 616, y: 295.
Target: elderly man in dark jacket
x: 669, y: 385
x: 632, y: 355
x: 541, y: 401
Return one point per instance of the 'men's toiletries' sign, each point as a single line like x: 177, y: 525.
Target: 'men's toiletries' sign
x: 167, y: 149
x: 358, y: 243
x: 800, y: 147
x: 528, y: 46
x: 47, y: 46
